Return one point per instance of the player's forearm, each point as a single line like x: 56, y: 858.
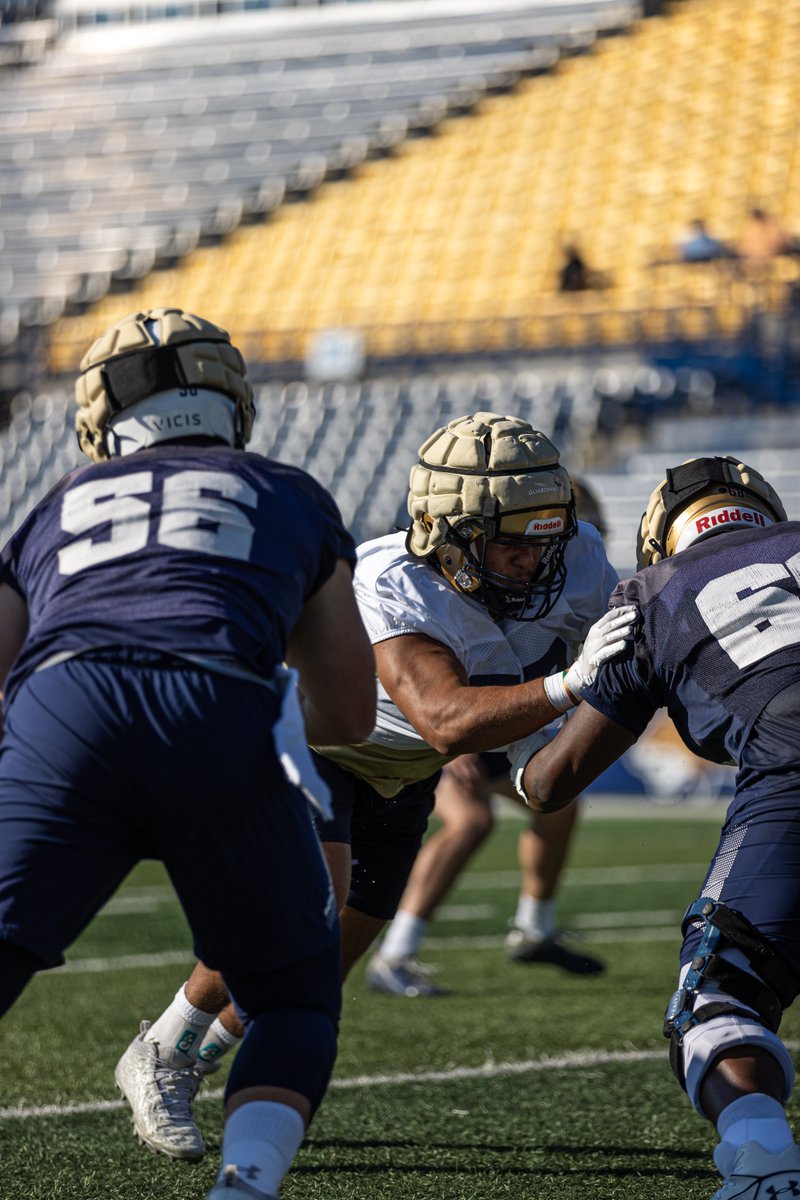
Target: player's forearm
x: 13, y: 628
x: 543, y: 794
x: 473, y: 719
x: 339, y: 725
x: 586, y: 746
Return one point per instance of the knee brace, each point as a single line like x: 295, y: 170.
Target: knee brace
x: 740, y: 1006
x: 705, y: 1043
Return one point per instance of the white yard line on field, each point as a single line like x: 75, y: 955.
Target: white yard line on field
x: 146, y: 899
x: 489, y: 1070
x: 595, y: 876
x: 657, y: 933
x: 124, y: 962
x: 659, y: 925
x: 573, y: 1061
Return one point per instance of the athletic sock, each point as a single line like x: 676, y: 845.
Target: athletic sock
x: 261, y: 1139
x: 403, y: 937
x: 537, y: 918
x: 752, y: 1118
x: 179, y: 1030
x: 216, y: 1044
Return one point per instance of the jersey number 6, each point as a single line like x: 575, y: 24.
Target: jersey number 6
x: 749, y: 617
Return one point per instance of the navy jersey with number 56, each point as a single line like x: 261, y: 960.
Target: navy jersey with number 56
x: 210, y: 552
x: 719, y: 647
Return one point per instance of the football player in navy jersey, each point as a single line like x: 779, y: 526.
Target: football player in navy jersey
x: 718, y: 645
x: 148, y: 608
x: 474, y: 614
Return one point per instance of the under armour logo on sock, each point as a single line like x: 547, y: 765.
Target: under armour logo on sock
x: 251, y: 1172
x: 792, y: 1190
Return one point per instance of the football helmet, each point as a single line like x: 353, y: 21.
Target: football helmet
x: 160, y: 375
x: 703, y: 496
x: 485, y: 479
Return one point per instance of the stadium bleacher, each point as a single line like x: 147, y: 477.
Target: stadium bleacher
x: 359, y: 438
x: 273, y: 170
x: 113, y: 146
x: 453, y: 242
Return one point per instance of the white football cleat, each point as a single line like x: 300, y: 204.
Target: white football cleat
x: 160, y: 1097
x: 405, y: 977
x: 232, y: 1185
x: 758, y: 1174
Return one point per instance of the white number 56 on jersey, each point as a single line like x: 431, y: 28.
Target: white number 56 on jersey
x: 197, y: 513
x: 749, y: 617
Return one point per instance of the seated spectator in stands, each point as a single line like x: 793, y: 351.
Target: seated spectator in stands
x: 763, y: 237
x: 698, y: 245
x: 576, y: 275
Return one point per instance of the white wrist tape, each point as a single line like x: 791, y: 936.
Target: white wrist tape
x: 556, y: 691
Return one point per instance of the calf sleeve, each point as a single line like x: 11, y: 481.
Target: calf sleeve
x: 287, y: 1048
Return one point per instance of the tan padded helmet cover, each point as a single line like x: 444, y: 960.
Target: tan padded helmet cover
x: 212, y: 363
x: 762, y: 496
x: 480, y: 444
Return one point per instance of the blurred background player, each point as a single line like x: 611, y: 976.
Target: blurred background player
x: 495, y: 585
x: 464, y: 809
x: 718, y: 644
x: 150, y: 599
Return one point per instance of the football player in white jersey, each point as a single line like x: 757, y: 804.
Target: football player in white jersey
x: 487, y: 619
x: 465, y: 813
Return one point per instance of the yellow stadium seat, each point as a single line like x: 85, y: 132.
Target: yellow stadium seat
x: 454, y: 242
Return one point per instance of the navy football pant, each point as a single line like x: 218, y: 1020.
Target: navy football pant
x: 106, y: 763
x: 384, y: 834
x: 756, y: 870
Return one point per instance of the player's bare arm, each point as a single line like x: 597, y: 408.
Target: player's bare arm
x: 13, y: 628
x: 582, y: 750
x: 330, y: 648
x: 431, y: 688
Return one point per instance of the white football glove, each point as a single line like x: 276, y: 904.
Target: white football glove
x: 605, y: 640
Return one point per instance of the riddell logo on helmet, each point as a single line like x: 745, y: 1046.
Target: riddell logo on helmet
x: 550, y: 525
x: 727, y: 516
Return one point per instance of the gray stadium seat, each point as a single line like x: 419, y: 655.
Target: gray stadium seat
x: 212, y: 122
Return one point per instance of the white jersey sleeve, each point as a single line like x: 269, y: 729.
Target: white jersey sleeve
x: 398, y: 594
x: 593, y: 575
